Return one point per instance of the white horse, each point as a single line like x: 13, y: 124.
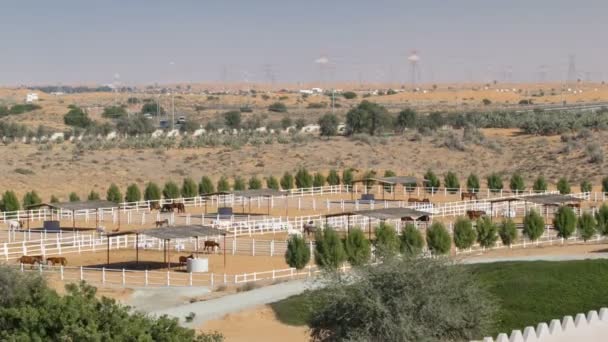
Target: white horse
x: 294, y: 232
x: 13, y: 225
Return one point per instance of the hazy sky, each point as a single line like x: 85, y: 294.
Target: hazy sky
x: 78, y: 41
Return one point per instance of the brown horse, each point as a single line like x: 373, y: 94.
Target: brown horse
x: 309, y: 228
x: 184, y: 259
x: 417, y: 200
x: 475, y: 214
x: 167, y: 207
x: 56, y: 260
x: 31, y: 260
x: 468, y: 195
x: 181, y: 208
x: 210, y: 246
x: 162, y: 223
x: 154, y: 206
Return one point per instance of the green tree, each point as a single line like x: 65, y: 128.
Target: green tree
x: 133, y: 193
x: 357, y: 247
x: 431, y: 181
x: 318, y: 180
x: 473, y: 183
x: 54, y: 199
x: 298, y: 253
x: 255, y: 183
x: 329, y: 250
x: 494, y: 182
x: 114, y: 112
x: 10, y: 202
x: 563, y: 186
x: 564, y: 222
x: 113, y: 194
x: 73, y: 197
x: 507, y: 232
x: 303, y: 179
x: 486, y: 232
x: 586, y: 186
x: 328, y: 125
x: 534, y: 225
x: 517, y: 184
x: 278, y: 107
x: 152, y: 108
x: 333, y: 178
x: 77, y: 117
x: 347, y: 177
x: 152, y: 192
x: 223, y: 185
x: 232, y: 119
x: 586, y: 226
x: 601, y: 217
x: 239, y: 183
x: 93, y: 196
x: 451, y: 182
x: 605, y: 184
x: 272, y: 183
x: 287, y: 181
x: 412, y: 241
x: 31, y: 198
x: 540, y: 184
x: 387, y: 240
x: 189, y: 188
x: 464, y: 235
x: 205, y: 186
x: 349, y: 95
x: 407, y: 118
x: 367, y: 117
x: 171, y: 190
x: 438, y: 239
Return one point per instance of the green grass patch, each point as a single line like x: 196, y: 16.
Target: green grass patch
x: 528, y: 292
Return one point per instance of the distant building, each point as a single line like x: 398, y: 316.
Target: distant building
x: 31, y: 97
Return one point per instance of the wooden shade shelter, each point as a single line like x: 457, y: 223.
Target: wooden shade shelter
x: 73, y: 207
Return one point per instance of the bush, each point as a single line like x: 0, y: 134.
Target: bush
x: 328, y: 125
x: 272, y: 183
x: 368, y: 117
x: 563, y: 186
x: 540, y: 184
x: 387, y: 241
x: 507, y: 232
x: 494, y: 182
x: 255, y: 183
x: 329, y: 251
x: 411, y: 240
x: 152, y: 192
x: 205, y: 186
x: 31, y: 198
x: 133, y: 193
x: 564, y: 222
x: 431, y: 181
x: 232, y: 119
x: 517, y: 184
x: 407, y: 118
x: 93, y: 196
x: 189, y: 188
x: 113, y: 194
x: 349, y: 95
x: 605, y: 184
x: 114, y: 112
x: 134, y: 125
x: 586, y: 186
x: 239, y: 183
x: 152, y: 108
x: 357, y: 247
x: 73, y: 197
x: 534, y: 225
x: 594, y: 153
x: 586, y: 226
x: 451, y: 182
x: 287, y: 181
x: 223, y: 185
x: 171, y: 190
x: 333, y: 178
x: 54, y: 199
x: 486, y: 232
x: 464, y: 235
x: 473, y: 183
x: 318, y: 180
x: 303, y: 179
x: 77, y: 117
x: 347, y: 177
x: 278, y: 107
x: 298, y: 252
x: 10, y: 202
x: 601, y: 217
x: 438, y: 239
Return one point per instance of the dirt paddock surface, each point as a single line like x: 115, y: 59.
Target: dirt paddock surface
x: 591, y: 249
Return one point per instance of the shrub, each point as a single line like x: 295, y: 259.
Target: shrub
x: 223, y: 185
x: 77, y: 117
x: 286, y: 122
x: 605, y: 184
x: 367, y: 117
x: 464, y: 235
x: 540, y: 184
x: 31, y: 198
x: 298, y: 252
x: 134, y: 125
x: 357, y: 247
x: 387, y: 241
x: 486, y: 232
x: 407, y: 118
x: 564, y: 222
x: 473, y: 183
x: 133, y: 193
x: 349, y: 95
x: 494, y: 182
x: 451, y: 182
x: 438, y: 239
x: 586, y: 186
x: 318, y: 180
x: 287, y: 181
x: 347, y: 177
x: 563, y: 186
x: 411, y: 240
x: 517, y: 184
x: 272, y: 183
x: 278, y: 107
x: 255, y: 183
x: 601, y: 217
x: 431, y: 181
x: 152, y: 108
x: 205, y: 186
x: 114, y: 112
x: 586, y: 226
x: 54, y: 199
x: 333, y: 178
x: 189, y: 188
x: 113, y: 194
x: 152, y: 192
x: 507, y: 232
x: 534, y: 225
x: 594, y: 153
x: 232, y: 119
x: 171, y: 190
x: 73, y: 197
x: 328, y: 125
x: 93, y: 196
x: 303, y: 178
x: 239, y: 183
x: 329, y: 250
x: 300, y: 123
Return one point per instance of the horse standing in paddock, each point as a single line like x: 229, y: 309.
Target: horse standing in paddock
x: 210, y: 246
x: 309, y: 228
x: 56, y: 260
x: 14, y: 225
x: 468, y: 195
x: 475, y: 214
x: 181, y: 208
x: 30, y: 260
x: 417, y: 200
x: 155, y: 206
x: 184, y: 259
x: 161, y: 223
x: 168, y: 207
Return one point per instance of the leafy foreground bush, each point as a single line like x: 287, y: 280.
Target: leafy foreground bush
x: 31, y: 311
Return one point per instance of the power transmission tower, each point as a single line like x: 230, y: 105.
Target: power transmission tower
x: 572, y: 69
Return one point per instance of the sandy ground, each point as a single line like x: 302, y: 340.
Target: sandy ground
x: 568, y: 249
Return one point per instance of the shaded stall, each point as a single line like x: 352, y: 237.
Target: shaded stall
x: 545, y: 200
x: 226, y: 210
x: 74, y: 207
x: 407, y: 182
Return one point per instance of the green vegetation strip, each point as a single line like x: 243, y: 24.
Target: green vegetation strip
x: 528, y: 292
